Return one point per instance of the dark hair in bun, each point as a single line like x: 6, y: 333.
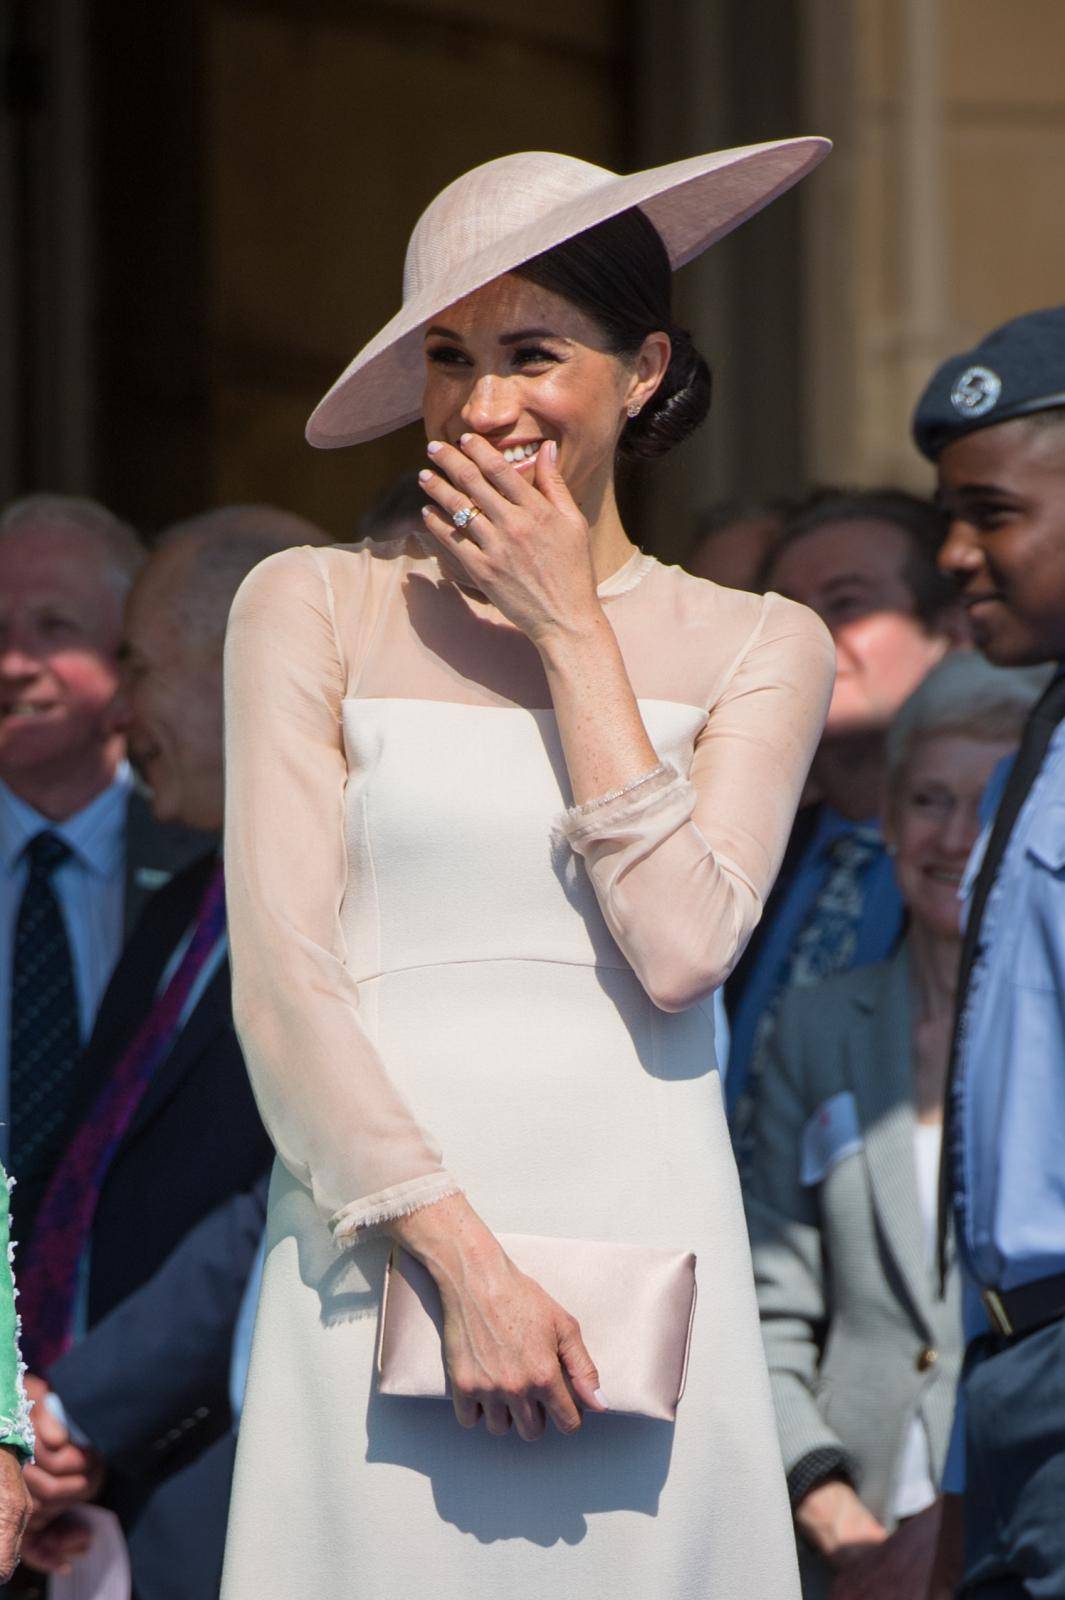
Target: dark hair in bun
x: 618, y: 273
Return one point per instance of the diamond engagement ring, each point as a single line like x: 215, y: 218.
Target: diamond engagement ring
x: 465, y: 516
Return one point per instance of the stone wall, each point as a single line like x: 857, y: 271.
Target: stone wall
x: 942, y: 212
x: 330, y: 126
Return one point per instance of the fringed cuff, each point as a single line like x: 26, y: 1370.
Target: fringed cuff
x: 16, y: 1429
x: 17, y: 1432
x: 355, y: 1222
x: 576, y: 813
x: 662, y: 790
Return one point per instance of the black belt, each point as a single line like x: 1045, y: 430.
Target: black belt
x: 1015, y: 1312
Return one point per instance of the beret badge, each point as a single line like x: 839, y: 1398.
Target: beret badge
x: 976, y: 391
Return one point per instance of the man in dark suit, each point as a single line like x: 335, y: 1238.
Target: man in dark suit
x: 79, y: 850
x: 164, y: 1143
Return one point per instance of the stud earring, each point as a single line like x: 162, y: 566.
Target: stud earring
x: 633, y: 411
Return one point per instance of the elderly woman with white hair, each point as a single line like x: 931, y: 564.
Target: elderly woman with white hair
x: 841, y: 1196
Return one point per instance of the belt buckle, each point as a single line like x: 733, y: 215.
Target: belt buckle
x: 997, y: 1312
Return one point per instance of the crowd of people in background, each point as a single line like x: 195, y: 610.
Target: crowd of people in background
x: 139, y: 1160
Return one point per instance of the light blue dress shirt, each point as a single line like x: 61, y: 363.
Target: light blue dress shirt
x: 1009, y: 1085
x: 878, y: 934
x: 91, y: 889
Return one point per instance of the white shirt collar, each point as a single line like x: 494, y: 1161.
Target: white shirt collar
x: 96, y: 834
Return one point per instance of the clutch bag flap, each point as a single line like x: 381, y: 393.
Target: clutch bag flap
x: 635, y: 1306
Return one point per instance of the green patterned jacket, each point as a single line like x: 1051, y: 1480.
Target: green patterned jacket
x: 15, y: 1426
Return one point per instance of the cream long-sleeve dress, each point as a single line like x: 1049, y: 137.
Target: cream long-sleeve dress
x: 435, y: 961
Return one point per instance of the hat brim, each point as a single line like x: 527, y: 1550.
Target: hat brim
x: 692, y: 204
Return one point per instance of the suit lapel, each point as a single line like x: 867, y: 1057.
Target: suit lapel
x: 155, y: 852
x: 211, y: 1015
x: 132, y: 988
x: 881, y: 1074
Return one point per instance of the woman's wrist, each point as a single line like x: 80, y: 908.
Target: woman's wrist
x: 447, y: 1237
x: 565, y: 642
x: 604, y: 739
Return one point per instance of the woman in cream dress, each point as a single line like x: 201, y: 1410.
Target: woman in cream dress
x: 503, y: 807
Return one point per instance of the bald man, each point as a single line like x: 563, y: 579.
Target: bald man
x: 172, y: 652
x: 128, y: 1308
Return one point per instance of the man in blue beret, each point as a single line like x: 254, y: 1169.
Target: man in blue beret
x: 993, y: 421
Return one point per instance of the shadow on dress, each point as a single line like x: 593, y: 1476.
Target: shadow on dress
x: 504, y: 1488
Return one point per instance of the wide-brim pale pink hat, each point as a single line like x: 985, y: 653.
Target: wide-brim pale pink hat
x: 500, y: 215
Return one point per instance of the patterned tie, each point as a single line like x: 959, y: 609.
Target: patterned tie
x: 825, y: 944
x: 45, y: 1032
x: 1043, y: 719
x: 828, y: 938
x: 48, y: 1283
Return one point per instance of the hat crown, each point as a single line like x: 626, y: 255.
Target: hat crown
x: 1014, y: 371
x: 488, y: 205
x: 508, y: 212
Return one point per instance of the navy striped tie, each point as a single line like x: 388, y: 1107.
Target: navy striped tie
x: 45, y: 1033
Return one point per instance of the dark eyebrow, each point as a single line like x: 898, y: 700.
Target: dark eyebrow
x: 529, y: 333
x: 979, y: 488
x: 504, y: 338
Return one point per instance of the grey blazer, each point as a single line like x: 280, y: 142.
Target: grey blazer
x: 857, y: 1338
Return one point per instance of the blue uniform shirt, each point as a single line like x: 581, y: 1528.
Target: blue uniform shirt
x: 1009, y: 1086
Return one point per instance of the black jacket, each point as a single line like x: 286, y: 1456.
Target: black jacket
x: 155, y: 851
x: 196, y: 1142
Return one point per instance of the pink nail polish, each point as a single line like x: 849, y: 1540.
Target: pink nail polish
x: 552, y: 451
x: 465, y: 438
x: 602, y: 1399
x: 424, y: 475
x: 433, y: 446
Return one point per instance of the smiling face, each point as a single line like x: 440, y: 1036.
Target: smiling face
x: 60, y: 612
x: 519, y: 365
x: 172, y: 697
x: 1003, y: 489
x: 853, y: 574
x: 933, y: 821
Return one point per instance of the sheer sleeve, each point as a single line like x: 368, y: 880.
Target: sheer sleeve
x: 337, y: 1121
x: 681, y: 865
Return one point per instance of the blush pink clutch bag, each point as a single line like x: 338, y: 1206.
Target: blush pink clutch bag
x: 635, y: 1306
